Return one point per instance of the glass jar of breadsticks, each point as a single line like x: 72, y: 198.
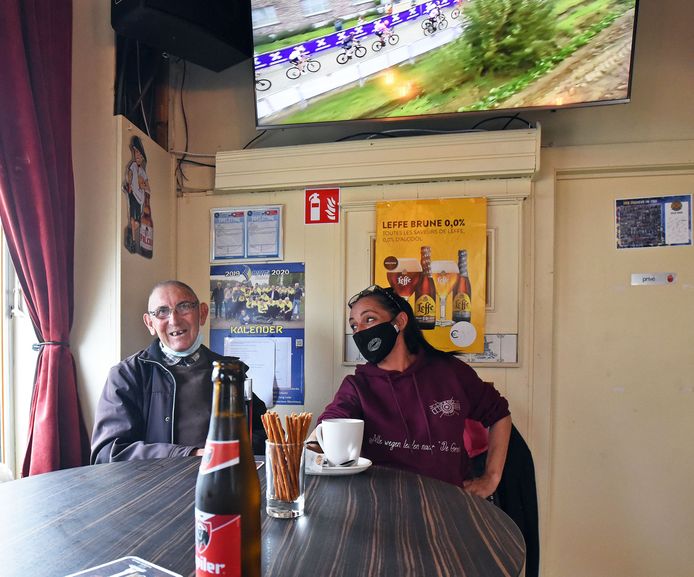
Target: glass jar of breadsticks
x: 284, y: 463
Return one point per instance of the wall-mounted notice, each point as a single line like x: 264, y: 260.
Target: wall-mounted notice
x: 251, y: 232
x: 498, y: 348
x: 434, y: 253
x: 654, y: 221
x: 257, y: 314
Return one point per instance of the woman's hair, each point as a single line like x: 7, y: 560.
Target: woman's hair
x: 394, y: 303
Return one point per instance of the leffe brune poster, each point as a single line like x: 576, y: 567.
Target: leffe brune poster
x: 434, y: 254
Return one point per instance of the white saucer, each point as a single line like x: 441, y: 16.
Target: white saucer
x: 361, y: 465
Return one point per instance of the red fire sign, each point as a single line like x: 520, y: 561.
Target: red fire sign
x: 322, y: 205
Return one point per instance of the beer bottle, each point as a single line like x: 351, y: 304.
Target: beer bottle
x: 425, y: 294
x: 146, y: 229
x: 462, y: 291
x: 227, y: 492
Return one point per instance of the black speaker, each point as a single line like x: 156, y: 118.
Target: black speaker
x: 212, y: 33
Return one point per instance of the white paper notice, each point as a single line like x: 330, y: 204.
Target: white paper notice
x: 259, y: 354
x: 283, y: 362
x: 263, y: 230
x: 677, y: 229
x: 229, y: 228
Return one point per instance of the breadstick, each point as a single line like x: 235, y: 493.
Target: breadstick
x: 281, y: 488
x: 278, y: 439
x: 288, y: 447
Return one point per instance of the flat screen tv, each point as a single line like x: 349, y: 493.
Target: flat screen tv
x: 323, y: 61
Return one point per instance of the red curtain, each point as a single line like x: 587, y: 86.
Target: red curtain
x: 37, y: 208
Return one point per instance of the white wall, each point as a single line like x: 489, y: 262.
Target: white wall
x: 111, y: 285
x: 618, y: 383
x: 96, y: 330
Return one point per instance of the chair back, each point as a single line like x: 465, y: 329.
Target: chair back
x: 517, y: 497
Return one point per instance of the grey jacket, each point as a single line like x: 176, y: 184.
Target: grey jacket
x: 135, y: 414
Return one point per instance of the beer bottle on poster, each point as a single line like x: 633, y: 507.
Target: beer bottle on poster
x: 146, y: 229
x: 227, y: 492
x: 425, y: 294
x: 462, y: 291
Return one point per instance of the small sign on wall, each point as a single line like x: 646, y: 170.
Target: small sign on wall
x: 653, y: 278
x: 322, y: 206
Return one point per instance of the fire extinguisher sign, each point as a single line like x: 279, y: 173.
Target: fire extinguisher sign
x: 322, y: 206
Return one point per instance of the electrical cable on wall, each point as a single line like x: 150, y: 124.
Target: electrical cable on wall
x: 422, y: 131
x: 139, y: 86
x: 503, y: 117
x: 196, y: 163
x: 248, y: 144
x: 180, y: 175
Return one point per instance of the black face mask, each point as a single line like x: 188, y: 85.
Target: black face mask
x: 375, y: 343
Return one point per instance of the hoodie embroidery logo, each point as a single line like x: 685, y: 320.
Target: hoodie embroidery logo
x: 374, y: 344
x: 446, y: 408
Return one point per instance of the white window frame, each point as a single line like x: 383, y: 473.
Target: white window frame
x: 324, y: 9
x: 7, y: 435
x: 270, y: 21
x: 18, y: 365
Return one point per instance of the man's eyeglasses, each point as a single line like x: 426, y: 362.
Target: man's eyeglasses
x: 375, y: 289
x: 182, y: 308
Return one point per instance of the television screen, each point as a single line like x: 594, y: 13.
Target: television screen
x: 320, y: 61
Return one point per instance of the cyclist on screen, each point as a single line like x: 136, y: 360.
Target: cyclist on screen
x: 382, y: 31
x: 298, y: 58
x: 433, y: 15
x: 348, y: 41
x: 348, y: 44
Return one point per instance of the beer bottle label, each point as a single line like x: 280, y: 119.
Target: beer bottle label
x: 462, y: 303
x: 219, y: 455
x: 217, y: 544
x: 146, y: 236
x: 424, y: 308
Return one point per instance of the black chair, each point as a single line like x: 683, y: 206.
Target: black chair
x: 516, y: 495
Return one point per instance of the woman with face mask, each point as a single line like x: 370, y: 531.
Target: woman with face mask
x: 414, y: 399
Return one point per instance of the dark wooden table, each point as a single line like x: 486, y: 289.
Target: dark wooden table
x: 381, y: 523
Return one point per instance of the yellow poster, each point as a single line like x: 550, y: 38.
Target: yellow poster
x: 434, y: 254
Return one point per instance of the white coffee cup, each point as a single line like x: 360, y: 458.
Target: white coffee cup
x: 340, y: 439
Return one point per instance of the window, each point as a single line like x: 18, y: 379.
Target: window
x: 264, y: 16
x: 309, y: 7
x: 18, y: 363
x: 4, y: 392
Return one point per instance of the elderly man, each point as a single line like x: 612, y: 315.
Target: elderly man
x: 157, y: 402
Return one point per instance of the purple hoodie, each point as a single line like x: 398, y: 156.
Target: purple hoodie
x: 414, y: 419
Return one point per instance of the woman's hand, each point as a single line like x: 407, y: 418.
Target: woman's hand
x: 483, y: 486
x: 499, y: 434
